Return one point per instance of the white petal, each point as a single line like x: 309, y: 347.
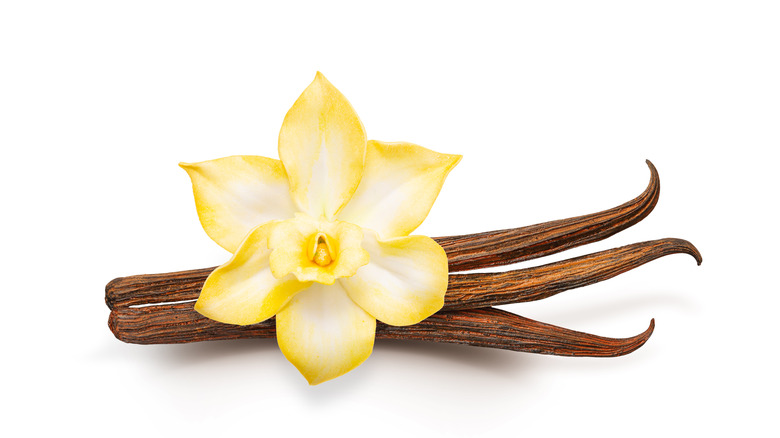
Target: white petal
x: 322, y: 145
x: 243, y: 291
x: 404, y: 281
x: 400, y: 183
x: 323, y: 333
x: 235, y: 194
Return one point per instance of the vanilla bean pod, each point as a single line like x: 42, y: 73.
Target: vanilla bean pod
x: 493, y: 328
x: 504, y: 247
x: 468, y: 291
x: 464, y: 252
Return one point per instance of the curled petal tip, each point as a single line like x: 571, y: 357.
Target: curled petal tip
x: 456, y: 159
x: 185, y: 166
x: 319, y: 78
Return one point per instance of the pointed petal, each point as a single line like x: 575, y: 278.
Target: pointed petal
x: 404, y: 282
x: 322, y: 145
x: 243, y: 291
x: 323, y: 333
x: 235, y: 194
x: 400, y: 183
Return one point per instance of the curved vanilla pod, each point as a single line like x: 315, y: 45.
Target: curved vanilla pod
x: 493, y: 328
x: 465, y: 291
x: 504, y: 247
x: 468, y: 291
x: 170, y: 287
x: 178, y: 323
x: 469, y: 251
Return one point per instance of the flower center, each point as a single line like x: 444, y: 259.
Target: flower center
x: 321, y: 250
x: 315, y: 250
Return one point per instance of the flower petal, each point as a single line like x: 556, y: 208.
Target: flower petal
x: 322, y: 144
x: 235, y: 194
x: 400, y: 183
x: 243, y: 291
x: 291, y: 242
x: 405, y: 281
x: 323, y: 333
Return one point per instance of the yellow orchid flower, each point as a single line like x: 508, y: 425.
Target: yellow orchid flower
x: 321, y: 238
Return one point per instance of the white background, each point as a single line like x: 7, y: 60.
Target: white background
x: 554, y: 106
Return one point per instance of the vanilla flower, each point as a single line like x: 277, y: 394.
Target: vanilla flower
x: 320, y: 238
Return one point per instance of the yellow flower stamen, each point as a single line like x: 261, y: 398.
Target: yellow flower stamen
x: 321, y: 250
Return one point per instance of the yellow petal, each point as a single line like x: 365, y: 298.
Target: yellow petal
x: 243, y: 291
x: 400, y: 183
x: 235, y: 194
x: 405, y: 281
x: 322, y: 145
x: 293, y: 242
x: 323, y: 333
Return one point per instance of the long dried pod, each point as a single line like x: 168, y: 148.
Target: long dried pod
x: 470, y: 251
x: 504, y: 247
x: 493, y: 328
x: 145, y: 289
x: 467, y: 291
x: 178, y: 323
